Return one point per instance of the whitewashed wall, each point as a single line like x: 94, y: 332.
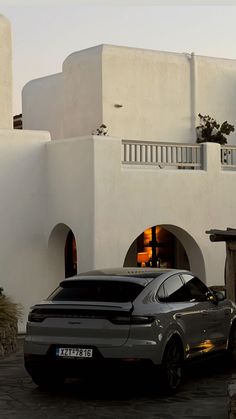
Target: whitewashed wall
x: 70, y: 186
x: 5, y: 74
x: 83, y: 97
x: 137, y: 198
x: 23, y: 208
x: 154, y: 90
x: 42, y: 105
x: 216, y: 89
x: 108, y: 205
x: 137, y: 93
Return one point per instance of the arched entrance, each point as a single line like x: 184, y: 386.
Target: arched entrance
x: 157, y: 247
x: 62, y: 252
x: 166, y: 246
x: 70, y: 255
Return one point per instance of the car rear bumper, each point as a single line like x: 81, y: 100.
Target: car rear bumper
x: 84, y: 367
x: 131, y: 352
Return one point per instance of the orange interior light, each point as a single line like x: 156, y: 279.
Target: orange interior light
x: 142, y: 258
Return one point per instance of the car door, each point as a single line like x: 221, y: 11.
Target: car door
x: 215, y: 317
x: 186, y: 312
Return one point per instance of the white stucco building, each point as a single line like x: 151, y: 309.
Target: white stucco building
x: 56, y: 178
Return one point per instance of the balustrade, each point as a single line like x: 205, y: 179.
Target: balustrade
x: 181, y: 156
x: 228, y: 157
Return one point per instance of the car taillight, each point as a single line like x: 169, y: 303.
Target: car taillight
x: 36, y: 316
x: 131, y: 319
x: 142, y: 319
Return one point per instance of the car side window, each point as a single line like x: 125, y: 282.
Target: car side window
x: 173, y: 290
x: 161, y: 293
x: 197, y: 289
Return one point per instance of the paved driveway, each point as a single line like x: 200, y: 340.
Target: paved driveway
x: 203, y: 395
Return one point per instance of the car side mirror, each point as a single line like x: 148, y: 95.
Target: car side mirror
x: 215, y: 296
x: 219, y: 295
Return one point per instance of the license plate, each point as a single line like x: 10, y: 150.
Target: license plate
x: 74, y: 353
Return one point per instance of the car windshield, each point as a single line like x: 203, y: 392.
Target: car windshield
x: 108, y: 291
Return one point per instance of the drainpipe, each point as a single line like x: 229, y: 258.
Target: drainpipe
x: 193, y: 95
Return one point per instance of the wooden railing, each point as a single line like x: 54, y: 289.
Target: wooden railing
x: 181, y: 156
x: 228, y: 157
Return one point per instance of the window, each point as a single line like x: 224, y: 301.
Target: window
x: 173, y: 290
x: 161, y: 293
x: 109, y: 291
x: 197, y: 289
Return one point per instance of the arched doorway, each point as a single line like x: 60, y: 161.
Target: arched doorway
x: 62, y: 250
x: 166, y: 246
x: 157, y: 247
x: 70, y: 255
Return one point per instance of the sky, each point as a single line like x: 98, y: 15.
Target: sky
x: 45, y: 32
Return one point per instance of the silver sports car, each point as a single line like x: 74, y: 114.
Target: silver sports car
x: 129, y: 316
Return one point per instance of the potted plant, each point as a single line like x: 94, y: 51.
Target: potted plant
x: 211, y: 131
x: 102, y: 130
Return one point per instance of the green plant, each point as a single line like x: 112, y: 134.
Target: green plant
x: 102, y: 130
x: 9, y: 311
x: 211, y: 131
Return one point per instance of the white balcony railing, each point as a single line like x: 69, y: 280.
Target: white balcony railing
x: 181, y: 156
x: 228, y: 157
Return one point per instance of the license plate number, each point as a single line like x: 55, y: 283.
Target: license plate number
x: 74, y: 353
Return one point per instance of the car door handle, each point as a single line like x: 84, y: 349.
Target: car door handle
x: 178, y: 316
x: 204, y: 312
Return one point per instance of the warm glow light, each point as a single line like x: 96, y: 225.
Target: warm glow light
x: 142, y: 258
x: 147, y: 237
x: 207, y: 346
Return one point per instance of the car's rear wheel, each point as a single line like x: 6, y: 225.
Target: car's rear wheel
x: 172, y: 366
x: 231, y: 350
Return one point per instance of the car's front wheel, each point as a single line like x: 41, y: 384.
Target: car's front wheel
x: 172, y: 366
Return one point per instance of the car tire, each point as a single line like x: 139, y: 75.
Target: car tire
x: 172, y: 366
x: 231, y: 350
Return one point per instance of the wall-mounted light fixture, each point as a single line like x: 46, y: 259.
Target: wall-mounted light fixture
x: 118, y: 105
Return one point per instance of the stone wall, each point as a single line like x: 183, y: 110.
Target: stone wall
x: 8, y: 338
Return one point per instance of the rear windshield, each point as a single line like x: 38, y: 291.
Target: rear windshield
x: 108, y: 291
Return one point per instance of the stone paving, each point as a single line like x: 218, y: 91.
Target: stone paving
x: 203, y: 395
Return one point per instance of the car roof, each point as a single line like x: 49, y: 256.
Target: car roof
x: 142, y: 276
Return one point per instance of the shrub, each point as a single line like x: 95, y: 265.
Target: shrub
x: 10, y: 312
